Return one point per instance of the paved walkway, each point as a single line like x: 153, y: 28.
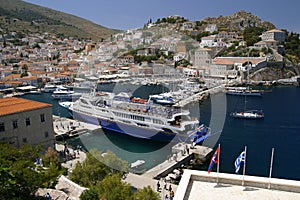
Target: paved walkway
x: 140, y: 181
x: 80, y: 156
x: 65, y: 189
x: 63, y: 125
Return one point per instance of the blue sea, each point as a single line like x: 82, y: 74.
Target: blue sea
x: 280, y: 129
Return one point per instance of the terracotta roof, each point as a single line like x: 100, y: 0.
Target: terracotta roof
x: 28, y: 78
x: 222, y: 61
x: 275, y: 30
x: 233, y: 60
x: 15, y: 105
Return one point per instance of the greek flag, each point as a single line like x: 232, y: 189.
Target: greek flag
x: 238, y: 161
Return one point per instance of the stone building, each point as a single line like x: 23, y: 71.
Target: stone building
x: 273, y: 34
x: 25, y: 121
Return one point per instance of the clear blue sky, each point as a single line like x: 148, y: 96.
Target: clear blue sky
x: 122, y: 14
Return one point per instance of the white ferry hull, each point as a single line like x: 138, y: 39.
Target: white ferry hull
x: 135, y: 131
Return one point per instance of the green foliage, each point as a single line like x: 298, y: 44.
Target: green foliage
x: 23, y: 17
x: 146, y: 194
x: 90, y: 194
x: 20, y: 177
x: 292, y: 47
x: 171, y: 20
x: 182, y: 62
x: 96, y: 167
x: 105, y: 182
x: 112, y: 188
x: 198, y: 36
x: 251, y: 35
x: 23, y: 74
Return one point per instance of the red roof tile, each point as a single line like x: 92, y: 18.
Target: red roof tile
x: 15, y: 105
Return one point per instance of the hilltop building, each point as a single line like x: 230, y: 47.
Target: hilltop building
x: 273, y: 34
x: 25, y: 121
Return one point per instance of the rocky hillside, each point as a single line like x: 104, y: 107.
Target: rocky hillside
x: 274, y: 73
x: 238, y: 22
x: 19, y: 16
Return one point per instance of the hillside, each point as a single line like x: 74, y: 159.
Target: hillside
x: 238, y: 22
x: 19, y: 16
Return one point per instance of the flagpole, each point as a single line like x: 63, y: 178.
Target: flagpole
x: 244, y: 168
x: 271, y: 168
x: 218, y: 166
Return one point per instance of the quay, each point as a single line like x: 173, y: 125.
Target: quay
x: 65, y: 128
x: 200, y: 95
x: 167, y: 172
x: 179, y: 158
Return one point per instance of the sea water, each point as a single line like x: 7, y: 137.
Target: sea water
x: 280, y: 129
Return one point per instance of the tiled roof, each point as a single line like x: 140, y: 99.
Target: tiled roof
x: 15, y: 105
x: 275, y: 30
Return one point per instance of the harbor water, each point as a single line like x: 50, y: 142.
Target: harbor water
x: 280, y: 129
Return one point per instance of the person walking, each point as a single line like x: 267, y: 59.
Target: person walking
x: 158, y: 186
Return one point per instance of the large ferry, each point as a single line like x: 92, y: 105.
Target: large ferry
x: 138, y: 117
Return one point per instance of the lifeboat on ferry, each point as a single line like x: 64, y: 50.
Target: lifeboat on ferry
x: 100, y: 93
x: 138, y: 100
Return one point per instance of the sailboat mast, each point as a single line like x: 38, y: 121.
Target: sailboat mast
x: 248, y: 70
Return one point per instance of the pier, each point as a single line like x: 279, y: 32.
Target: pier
x: 65, y: 128
x: 180, y: 157
x: 200, y: 95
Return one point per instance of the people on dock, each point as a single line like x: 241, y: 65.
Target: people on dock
x: 187, y: 149
x: 172, y: 195
x: 158, y: 186
x: 48, y: 196
x: 170, y: 188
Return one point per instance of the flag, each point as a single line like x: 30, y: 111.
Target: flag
x: 214, y: 159
x: 239, y: 160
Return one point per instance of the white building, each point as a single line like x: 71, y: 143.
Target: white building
x: 208, y: 41
x: 211, y: 28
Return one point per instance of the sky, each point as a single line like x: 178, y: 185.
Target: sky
x: 122, y: 14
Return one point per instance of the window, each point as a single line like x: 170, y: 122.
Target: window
x: 2, y: 127
x: 27, y: 121
x: 15, y: 124
x: 24, y: 140
x: 46, y: 134
x: 42, y: 116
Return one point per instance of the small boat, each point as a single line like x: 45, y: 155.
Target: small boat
x: 28, y: 89
x: 163, y: 99
x: 249, y: 114
x: 64, y: 93
x: 243, y: 91
x: 66, y: 104
x: 137, y: 163
x: 49, y: 88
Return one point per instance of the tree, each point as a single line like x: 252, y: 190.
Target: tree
x: 96, y: 167
x: 112, y: 188
x: 90, y: 194
x: 146, y: 194
x: 251, y: 35
x: 20, y: 176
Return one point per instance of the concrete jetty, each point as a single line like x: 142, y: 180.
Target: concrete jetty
x: 177, y: 160
x: 200, y: 95
x: 66, y: 128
